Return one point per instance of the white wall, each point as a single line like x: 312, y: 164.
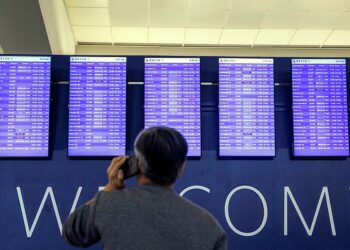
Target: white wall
x: 58, y: 27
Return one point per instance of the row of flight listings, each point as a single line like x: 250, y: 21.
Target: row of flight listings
x: 97, y: 105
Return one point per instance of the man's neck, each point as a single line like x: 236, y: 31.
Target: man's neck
x: 144, y: 180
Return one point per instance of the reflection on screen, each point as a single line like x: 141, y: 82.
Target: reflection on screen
x: 172, y: 97
x: 24, y: 106
x: 97, y: 106
x: 246, y: 107
x: 320, y: 117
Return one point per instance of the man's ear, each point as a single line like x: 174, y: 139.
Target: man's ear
x: 138, y: 165
x: 181, y: 170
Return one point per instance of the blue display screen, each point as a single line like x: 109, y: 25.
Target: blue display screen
x: 246, y: 107
x: 172, y: 97
x: 24, y: 106
x: 320, y: 110
x: 97, y: 106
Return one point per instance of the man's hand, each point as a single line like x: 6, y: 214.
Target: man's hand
x: 115, y: 174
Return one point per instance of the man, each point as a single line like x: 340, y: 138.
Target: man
x: 150, y: 215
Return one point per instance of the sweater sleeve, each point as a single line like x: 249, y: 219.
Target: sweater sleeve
x: 221, y: 243
x: 80, y: 229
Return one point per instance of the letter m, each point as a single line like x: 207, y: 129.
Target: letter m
x: 309, y: 230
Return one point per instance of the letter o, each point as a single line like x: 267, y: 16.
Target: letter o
x: 227, y: 216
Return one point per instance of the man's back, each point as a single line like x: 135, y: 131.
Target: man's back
x: 154, y: 217
x: 151, y: 215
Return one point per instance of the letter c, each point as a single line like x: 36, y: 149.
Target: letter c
x: 205, y: 189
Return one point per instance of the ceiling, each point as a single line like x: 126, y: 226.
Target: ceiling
x: 306, y: 23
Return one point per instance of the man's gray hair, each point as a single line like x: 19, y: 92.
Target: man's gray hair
x: 161, y: 152
x: 142, y: 160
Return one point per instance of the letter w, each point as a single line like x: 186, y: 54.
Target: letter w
x: 309, y: 230
x: 48, y: 192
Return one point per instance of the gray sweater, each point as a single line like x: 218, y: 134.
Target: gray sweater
x: 144, y: 217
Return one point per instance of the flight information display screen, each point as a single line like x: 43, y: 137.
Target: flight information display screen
x: 172, y: 97
x: 246, y: 107
x: 24, y: 106
x: 320, y: 111
x: 97, y: 106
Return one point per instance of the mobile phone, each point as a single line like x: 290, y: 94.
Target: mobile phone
x: 129, y: 167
